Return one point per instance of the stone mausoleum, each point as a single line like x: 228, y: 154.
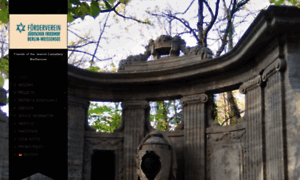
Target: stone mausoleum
x: 263, y: 145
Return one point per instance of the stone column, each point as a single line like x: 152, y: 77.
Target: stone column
x: 291, y: 51
x: 194, y: 136
x: 134, y: 120
x: 254, y: 168
x: 77, y: 117
x: 274, y: 120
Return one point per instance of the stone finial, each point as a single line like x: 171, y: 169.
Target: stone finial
x: 166, y: 45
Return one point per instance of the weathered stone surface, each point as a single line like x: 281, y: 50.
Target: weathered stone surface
x: 226, y: 163
x: 77, y: 120
x: 134, y: 119
x: 274, y: 103
x: 194, y: 135
x: 291, y: 108
x: 254, y: 129
x: 225, y: 153
x: 158, y: 147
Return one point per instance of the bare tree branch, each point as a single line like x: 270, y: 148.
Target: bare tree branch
x: 184, y: 22
x: 200, y: 22
x: 4, y: 42
x: 80, y: 36
x: 125, y: 17
x: 209, y: 9
x: 90, y: 55
x: 162, y: 24
x: 225, y: 35
x: 212, y: 22
x: 186, y: 8
x: 230, y: 118
x: 100, y: 37
x: 72, y: 46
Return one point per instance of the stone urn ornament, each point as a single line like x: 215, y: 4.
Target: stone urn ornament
x: 156, y: 158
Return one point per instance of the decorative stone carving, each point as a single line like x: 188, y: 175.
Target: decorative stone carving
x: 204, y: 52
x: 250, y: 84
x: 166, y: 45
x: 278, y: 65
x: 226, y: 136
x: 156, y: 149
x: 225, y: 155
x: 194, y: 99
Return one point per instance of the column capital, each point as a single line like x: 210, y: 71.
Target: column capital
x: 198, y: 98
x: 135, y: 104
x: 278, y: 65
x: 252, y: 83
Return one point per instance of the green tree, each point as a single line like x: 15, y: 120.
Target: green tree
x: 225, y: 115
x: 286, y: 2
x: 165, y: 115
x: 80, y: 9
x: 104, y: 118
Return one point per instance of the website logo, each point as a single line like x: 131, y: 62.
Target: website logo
x: 20, y: 27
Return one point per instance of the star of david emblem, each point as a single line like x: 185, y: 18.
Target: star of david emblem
x: 21, y: 26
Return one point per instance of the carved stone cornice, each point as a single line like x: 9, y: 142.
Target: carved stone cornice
x: 135, y: 104
x: 278, y: 65
x: 199, y: 98
x: 250, y: 84
x: 72, y: 100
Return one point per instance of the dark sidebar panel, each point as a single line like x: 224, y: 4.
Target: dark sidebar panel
x: 38, y: 90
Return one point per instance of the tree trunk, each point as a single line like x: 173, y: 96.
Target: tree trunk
x: 165, y: 120
x: 200, y: 22
x: 234, y: 110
